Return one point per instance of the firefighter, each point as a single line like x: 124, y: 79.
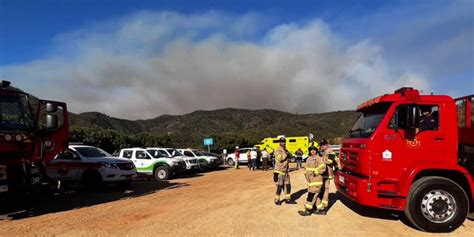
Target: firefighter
x: 332, y: 163
x: 314, y: 168
x: 281, y: 175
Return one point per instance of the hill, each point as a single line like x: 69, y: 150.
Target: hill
x: 228, y: 127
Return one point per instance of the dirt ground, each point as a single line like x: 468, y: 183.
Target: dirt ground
x: 226, y: 202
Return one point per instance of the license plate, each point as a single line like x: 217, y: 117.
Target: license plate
x: 342, y: 179
x: 3, y: 188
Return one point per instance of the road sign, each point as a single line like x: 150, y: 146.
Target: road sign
x: 208, y: 142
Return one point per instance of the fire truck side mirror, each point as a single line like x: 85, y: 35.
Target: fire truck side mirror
x: 51, y: 122
x: 51, y: 107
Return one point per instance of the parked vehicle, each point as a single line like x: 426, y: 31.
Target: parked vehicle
x: 32, y: 131
x: 205, y: 162
x: 292, y: 144
x: 192, y: 164
x: 242, y: 156
x: 90, y: 166
x: 413, y: 153
x: 151, y: 161
x: 218, y: 157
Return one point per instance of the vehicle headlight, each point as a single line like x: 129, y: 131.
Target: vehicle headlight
x: 109, y: 165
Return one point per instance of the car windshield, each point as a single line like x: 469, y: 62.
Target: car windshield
x: 90, y: 152
x: 174, y: 152
x: 369, y: 120
x: 15, y: 114
x: 198, y: 153
x: 157, y: 153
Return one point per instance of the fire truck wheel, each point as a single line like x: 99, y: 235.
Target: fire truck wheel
x: 92, y: 180
x: 436, y: 204
x: 161, y: 173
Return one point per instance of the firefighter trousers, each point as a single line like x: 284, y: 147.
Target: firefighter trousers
x: 283, y: 183
x: 315, y: 182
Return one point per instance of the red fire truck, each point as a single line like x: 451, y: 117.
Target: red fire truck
x: 412, y: 153
x: 32, y: 132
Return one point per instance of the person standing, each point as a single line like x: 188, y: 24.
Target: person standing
x: 299, y: 158
x: 237, y: 156
x: 281, y: 174
x: 272, y: 156
x: 224, y: 155
x: 314, y: 168
x: 265, y: 156
x: 249, y: 160
x: 259, y: 157
x: 332, y: 163
x: 253, y: 157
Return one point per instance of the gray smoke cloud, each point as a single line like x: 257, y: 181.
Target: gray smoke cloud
x: 152, y: 63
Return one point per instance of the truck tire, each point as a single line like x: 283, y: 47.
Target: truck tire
x: 436, y: 204
x: 204, y: 166
x: 161, y: 173
x: 92, y: 180
x: 230, y: 162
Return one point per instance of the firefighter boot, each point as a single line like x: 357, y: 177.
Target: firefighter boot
x: 306, y: 212
x: 320, y: 212
x: 288, y: 199
x: 277, y: 201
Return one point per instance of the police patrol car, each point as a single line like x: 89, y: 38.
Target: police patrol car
x: 90, y: 166
x: 151, y: 161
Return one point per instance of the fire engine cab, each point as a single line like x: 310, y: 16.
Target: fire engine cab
x: 32, y: 132
x: 412, y: 153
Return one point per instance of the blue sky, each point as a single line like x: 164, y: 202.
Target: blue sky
x: 130, y: 48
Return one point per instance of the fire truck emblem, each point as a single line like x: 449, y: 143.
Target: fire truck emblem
x: 415, y: 144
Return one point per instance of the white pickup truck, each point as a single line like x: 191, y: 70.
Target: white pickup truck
x: 90, y: 166
x: 192, y: 163
x: 150, y: 161
x: 205, y: 162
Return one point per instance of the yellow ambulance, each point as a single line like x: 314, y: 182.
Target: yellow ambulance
x: 292, y: 144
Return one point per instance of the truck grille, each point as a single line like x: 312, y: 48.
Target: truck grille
x: 193, y: 161
x: 126, y: 166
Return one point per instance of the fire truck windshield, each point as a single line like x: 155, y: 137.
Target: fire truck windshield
x: 15, y: 114
x: 369, y: 120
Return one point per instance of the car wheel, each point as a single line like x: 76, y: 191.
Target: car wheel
x: 92, y: 180
x: 161, y: 173
x: 230, y: 162
x: 204, y: 165
x: 436, y: 204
